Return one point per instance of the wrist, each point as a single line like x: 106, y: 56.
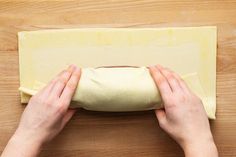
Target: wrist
x: 198, y: 148
x: 25, y: 145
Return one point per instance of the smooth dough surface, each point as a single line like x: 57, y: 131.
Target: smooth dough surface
x: 189, y: 51
x: 121, y: 89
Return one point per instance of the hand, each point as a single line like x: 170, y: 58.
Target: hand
x: 46, y: 114
x: 183, y: 116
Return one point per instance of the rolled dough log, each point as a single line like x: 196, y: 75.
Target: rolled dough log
x: 122, y: 89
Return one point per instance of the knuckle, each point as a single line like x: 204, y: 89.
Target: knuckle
x: 40, y: 100
x: 170, y: 103
x: 61, y: 109
x: 172, y: 106
x: 180, y: 98
x: 48, y: 102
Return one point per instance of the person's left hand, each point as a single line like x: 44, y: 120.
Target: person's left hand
x: 47, y: 112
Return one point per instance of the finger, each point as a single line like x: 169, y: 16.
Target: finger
x: 70, y: 88
x: 183, y: 85
x: 68, y: 116
x: 47, y: 89
x: 62, y: 81
x: 174, y: 84
x: 181, y: 82
x: 161, y: 83
x: 161, y: 117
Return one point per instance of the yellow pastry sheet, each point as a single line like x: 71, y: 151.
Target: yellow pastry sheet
x: 186, y: 50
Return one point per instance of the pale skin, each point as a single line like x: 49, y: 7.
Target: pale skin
x: 183, y: 116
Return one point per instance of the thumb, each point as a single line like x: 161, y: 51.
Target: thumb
x: 161, y: 117
x: 68, y: 116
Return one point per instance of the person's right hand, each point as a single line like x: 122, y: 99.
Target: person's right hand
x: 183, y: 116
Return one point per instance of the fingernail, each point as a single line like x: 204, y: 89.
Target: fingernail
x: 168, y: 69
x: 66, y: 73
x: 71, y: 67
x: 159, y: 66
x: 152, y: 67
x: 78, y: 69
x: 78, y: 72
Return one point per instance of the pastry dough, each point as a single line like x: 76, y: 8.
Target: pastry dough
x: 121, y: 89
x: 189, y: 51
